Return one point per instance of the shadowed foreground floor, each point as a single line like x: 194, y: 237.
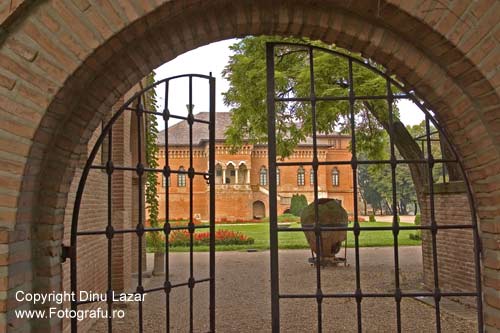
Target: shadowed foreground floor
x: 243, y: 295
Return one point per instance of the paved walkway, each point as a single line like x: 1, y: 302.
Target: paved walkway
x: 243, y: 295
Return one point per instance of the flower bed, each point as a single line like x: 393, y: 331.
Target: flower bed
x: 360, y: 219
x: 222, y: 237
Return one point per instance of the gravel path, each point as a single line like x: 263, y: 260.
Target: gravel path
x: 243, y: 295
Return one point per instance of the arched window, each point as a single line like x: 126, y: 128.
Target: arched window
x: 218, y: 174
x: 311, y: 177
x: 181, y: 178
x: 263, y: 176
x: 335, y: 177
x: 301, y: 177
x: 242, y: 174
x: 230, y: 174
x: 278, y: 176
x: 165, y: 182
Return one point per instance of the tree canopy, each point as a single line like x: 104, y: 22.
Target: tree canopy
x: 246, y: 96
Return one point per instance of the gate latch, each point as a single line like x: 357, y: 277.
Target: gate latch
x: 65, y: 252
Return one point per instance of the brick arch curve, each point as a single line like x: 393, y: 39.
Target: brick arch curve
x: 65, y: 64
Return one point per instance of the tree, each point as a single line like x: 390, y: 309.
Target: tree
x: 297, y: 204
x: 247, y: 98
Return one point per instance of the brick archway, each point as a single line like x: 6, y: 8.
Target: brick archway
x: 64, y: 63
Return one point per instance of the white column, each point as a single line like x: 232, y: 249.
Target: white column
x: 248, y: 176
x: 236, y: 176
x: 223, y: 176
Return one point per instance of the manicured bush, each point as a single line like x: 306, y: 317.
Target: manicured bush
x: 371, y: 218
x: 416, y: 235
x: 298, y: 203
x: 222, y: 237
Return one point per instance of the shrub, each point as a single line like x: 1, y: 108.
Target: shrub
x: 222, y: 237
x: 418, y: 219
x: 298, y: 203
x: 371, y: 218
x: 415, y: 236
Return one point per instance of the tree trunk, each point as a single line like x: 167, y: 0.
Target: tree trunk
x: 453, y: 169
x: 407, y: 147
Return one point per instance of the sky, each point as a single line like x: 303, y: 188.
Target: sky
x: 212, y: 58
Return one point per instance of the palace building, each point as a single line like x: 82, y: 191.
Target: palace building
x: 242, y: 178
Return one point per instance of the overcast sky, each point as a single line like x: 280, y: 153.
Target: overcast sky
x: 213, y: 58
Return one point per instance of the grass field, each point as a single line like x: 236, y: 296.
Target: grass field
x: 296, y: 240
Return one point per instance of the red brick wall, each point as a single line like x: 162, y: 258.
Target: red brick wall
x: 92, y: 250
x: 454, y: 246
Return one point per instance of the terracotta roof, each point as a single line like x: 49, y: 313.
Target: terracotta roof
x: 178, y: 134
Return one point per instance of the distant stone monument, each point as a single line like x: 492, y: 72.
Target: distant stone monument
x: 330, y: 214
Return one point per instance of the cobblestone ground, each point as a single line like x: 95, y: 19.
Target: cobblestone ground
x: 243, y: 301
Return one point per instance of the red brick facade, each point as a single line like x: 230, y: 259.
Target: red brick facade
x: 242, y: 178
x: 63, y: 65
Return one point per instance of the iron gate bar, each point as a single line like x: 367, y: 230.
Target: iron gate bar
x: 361, y: 228
x: 395, y: 223
x: 125, y: 231
x: 211, y: 168
x: 109, y: 228
x: 273, y: 205
x: 167, y: 285
x: 140, y: 229
x: 377, y: 295
x: 122, y: 168
x: 344, y: 162
x: 191, y: 224
x: 338, y: 98
x: 356, y: 229
x: 430, y: 164
x: 162, y: 114
x: 317, y: 231
x: 140, y: 224
x: 393, y: 162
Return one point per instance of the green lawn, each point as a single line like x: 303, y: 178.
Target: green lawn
x: 296, y: 239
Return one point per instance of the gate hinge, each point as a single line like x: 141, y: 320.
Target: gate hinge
x: 66, y: 252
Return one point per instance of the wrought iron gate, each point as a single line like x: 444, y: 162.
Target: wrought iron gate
x: 312, y: 98
x: 135, y: 105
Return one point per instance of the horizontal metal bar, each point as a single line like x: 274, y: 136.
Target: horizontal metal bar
x: 381, y: 228
x: 177, y: 285
x: 379, y: 295
x: 338, y: 98
x: 346, y: 162
x: 125, y: 231
x: 196, y: 120
x: 124, y: 168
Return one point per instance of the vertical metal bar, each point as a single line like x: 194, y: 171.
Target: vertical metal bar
x: 317, y: 231
x: 354, y: 165
x: 273, y: 218
x: 477, y: 255
x: 166, y: 227
x: 430, y: 164
x: 191, y: 224
x: 109, y: 230
x: 212, y: 202
x: 140, y: 224
x: 395, y: 223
